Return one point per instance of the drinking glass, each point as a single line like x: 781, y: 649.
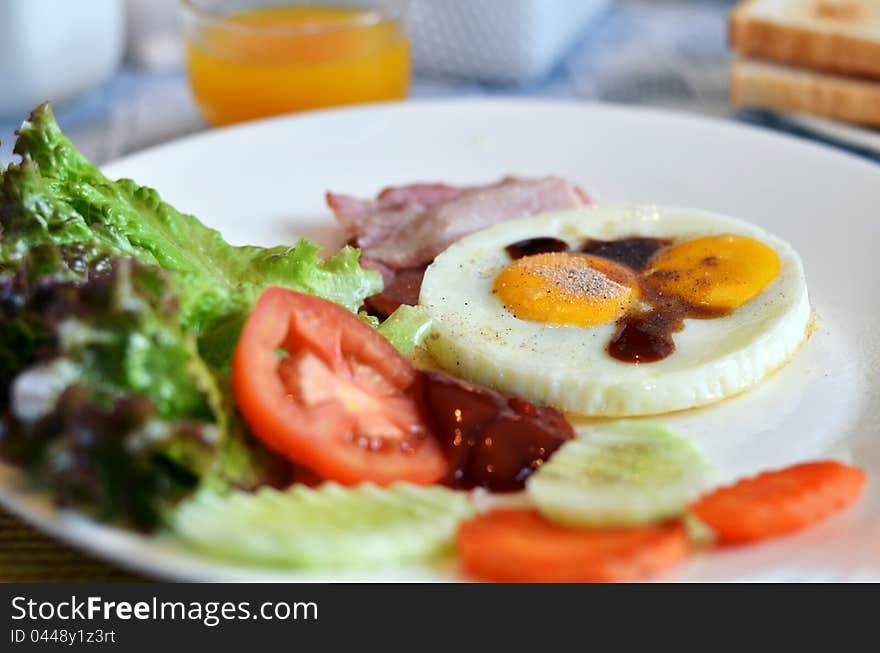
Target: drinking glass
x: 252, y: 58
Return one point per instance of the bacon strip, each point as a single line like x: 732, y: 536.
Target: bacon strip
x: 408, y: 226
x: 404, y: 228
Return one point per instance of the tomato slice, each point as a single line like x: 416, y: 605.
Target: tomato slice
x: 321, y: 387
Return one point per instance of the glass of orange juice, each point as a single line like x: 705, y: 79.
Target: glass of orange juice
x: 253, y: 58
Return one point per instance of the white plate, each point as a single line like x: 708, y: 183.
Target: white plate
x: 840, y: 131
x: 263, y: 183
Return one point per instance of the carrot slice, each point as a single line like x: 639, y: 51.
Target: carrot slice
x: 781, y: 501
x: 520, y: 546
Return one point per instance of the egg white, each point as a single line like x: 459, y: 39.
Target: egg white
x: 475, y: 337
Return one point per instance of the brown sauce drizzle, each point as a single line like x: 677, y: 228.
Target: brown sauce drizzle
x: 634, y: 252
x: 642, y: 335
x: 533, y: 246
x: 645, y: 336
x: 491, y: 439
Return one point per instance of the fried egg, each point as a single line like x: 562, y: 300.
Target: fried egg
x: 567, y: 328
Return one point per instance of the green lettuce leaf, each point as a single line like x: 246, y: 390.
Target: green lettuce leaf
x: 56, y: 196
x: 118, y: 319
x: 406, y: 328
x: 103, y: 396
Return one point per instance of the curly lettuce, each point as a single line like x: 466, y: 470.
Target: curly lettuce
x: 118, y: 319
x: 55, y: 196
x: 105, y: 400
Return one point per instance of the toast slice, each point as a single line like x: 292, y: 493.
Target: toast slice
x: 841, y: 36
x: 782, y: 88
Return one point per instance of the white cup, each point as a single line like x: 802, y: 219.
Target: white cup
x: 56, y: 49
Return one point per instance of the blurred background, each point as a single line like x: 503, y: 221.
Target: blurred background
x: 128, y: 74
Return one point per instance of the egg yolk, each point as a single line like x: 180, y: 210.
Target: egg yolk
x: 566, y: 289
x: 718, y: 272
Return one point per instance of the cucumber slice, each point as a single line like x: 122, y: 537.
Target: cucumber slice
x: 619, y: 474
x: 331, y: 526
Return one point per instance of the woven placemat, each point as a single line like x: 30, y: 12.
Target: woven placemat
x: 29, y: 556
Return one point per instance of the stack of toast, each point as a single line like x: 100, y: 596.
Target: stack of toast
x: 819, y: 57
